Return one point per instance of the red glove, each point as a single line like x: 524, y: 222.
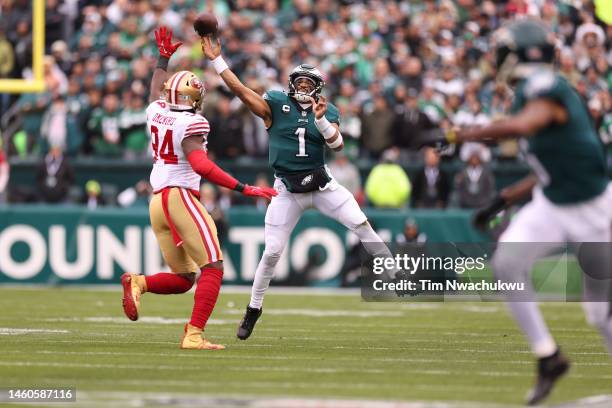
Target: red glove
x: 265, y: 192
x: 163, y: 36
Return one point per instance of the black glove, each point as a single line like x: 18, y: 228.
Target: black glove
x: 405, y: 276
x: 437, y: 138
x: 484, y: 216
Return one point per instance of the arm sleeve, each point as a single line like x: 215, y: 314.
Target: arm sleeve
x: 201, y: 164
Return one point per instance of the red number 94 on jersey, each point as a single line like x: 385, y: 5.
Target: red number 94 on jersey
x: 166, y: 150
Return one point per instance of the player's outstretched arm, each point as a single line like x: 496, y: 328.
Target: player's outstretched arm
x: 507, y: 197
x: 163, y: 37
x: 536, y: 115
x: 255, y: 102
x: 201, y: 164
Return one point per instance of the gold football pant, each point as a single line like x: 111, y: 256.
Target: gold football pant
x: 186, y: 233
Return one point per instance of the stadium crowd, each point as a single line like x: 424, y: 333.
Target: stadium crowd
x: 390, y: 67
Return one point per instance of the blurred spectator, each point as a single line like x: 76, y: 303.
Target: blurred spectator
x: 208, y: 198
x: 388, y: 185
x: 377, y: 58
x: 93, y: 195
x: 225, y: 137
x: 376, y: 127
x: 132, y: 121
x: 60, y: 127
x: 7, y: 57
x: 261, y: 181
x: 55, y: 79
x: 32, y: 108
x: 254, y: 132
x: 410, y: 234
x: 567, y: 66
x: 347, y: 174
x: 7, y: 64
x: 22, y: 45
x: 54, y: 21
x: 61, y: 55
x: 137, y: 196
x: 589, y: 42
x: 409, y: 119
x: 104, y: 127
x: 431, y: 185
x: 54, y: 177
x: 475, y: 184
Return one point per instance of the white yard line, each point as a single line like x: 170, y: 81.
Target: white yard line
x: 112, y: 399
x: 225, y: 356
x: 246, y: 368
x: 14, y: 331
x: 123, y: 320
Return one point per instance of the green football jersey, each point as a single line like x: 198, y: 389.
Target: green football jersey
x: 568, y: 159
x: 296, y: 145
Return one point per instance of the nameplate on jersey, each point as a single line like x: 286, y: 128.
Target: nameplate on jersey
x: 286, y: 108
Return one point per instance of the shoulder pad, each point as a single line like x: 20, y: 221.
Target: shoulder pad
x: 274, y: 95
x: 540, y: 83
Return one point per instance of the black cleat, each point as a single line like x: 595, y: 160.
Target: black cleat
x: 550, y: 369
x: 247, y: 324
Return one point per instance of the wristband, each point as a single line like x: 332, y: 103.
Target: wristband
x: 239, y: 187
x: 336, y: 143
x: 325, y: 127
x: 219, y: 64
x: 162, y: 62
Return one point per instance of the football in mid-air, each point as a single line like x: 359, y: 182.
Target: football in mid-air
x: 206, y: 24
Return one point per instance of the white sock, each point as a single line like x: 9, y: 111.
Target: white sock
x: 530, y: 319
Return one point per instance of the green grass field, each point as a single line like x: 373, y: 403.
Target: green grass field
x: 305, y: 349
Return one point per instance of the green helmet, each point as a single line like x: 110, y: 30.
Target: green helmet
x: 523, y: 46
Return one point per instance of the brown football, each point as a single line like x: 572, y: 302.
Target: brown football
x: 205, y: 24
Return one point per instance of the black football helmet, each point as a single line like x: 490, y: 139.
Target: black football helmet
x: 310, y: 72
x: 521, y: 47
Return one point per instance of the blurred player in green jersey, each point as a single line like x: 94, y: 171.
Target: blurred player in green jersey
x: 571, y: 193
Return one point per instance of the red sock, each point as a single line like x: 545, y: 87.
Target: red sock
x: 206, y: 295
x: 167, y: 283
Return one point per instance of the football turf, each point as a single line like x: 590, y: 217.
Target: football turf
x: 305, y: 346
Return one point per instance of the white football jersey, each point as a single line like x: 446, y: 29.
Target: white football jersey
x: 167, y: 129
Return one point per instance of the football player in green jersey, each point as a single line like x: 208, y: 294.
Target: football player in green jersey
x: 300, y: 123
x: 571, y: 193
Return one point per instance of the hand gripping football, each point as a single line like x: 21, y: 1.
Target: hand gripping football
x: 206, y: 24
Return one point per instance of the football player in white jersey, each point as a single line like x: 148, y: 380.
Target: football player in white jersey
x: 185, y: 231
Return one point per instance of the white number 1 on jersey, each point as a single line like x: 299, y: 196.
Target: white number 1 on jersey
x: 301, y: 133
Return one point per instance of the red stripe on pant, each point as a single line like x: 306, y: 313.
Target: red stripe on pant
x: 178, y: 241
x: 208, y: 250
x: 206, y: 294
x: 212, y: 237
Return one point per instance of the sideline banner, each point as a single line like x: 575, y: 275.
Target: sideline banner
x: 71, y: 244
